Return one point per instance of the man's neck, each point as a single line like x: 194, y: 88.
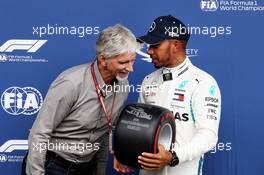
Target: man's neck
x: 106, y: 75
x: 177, y: 61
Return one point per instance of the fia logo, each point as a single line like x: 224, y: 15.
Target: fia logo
x: 3, y: 57
x: 16, y: 100
x: 3, y: 158
x: 209, y: 5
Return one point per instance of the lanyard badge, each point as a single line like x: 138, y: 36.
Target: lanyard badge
x: 107, y: 115
x: 167, y: 75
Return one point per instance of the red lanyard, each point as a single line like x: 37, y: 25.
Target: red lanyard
x: 97, y: 88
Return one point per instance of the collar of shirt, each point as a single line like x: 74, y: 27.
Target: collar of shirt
x: 178, y: 70
x: 98, y: 75
x: 106, y: 90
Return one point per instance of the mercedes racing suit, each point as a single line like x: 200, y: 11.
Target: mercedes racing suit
x: 195, y: 100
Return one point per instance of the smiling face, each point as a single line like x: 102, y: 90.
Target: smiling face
x: 117, y: 67
x: 121, y: 65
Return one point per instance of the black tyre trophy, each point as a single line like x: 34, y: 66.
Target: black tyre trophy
x: 140, y: 128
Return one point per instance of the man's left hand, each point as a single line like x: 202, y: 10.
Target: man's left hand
x: 157, y: 161
x: 121, y: 168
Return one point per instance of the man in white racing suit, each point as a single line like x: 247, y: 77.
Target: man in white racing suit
x: 190, y: 93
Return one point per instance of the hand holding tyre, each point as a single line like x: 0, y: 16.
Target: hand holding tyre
x: 147, y: 129
x: 151, y: 161
x: 121, y: 168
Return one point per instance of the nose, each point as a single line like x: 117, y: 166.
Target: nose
x: 150, y: 51
x: 129, y: 67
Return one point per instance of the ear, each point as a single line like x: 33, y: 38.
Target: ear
x: 102, y: 60
x: 177, y: 46
x: 174, y: 46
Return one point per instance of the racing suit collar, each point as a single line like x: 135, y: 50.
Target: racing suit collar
x: 178, y: 70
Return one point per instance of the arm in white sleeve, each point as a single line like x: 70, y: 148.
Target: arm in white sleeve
x: 57, y: 105
x: 205, y: 110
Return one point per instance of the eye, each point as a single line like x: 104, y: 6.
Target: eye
x: 123, y: 62
x: 154, y: 46
x: 126, y: 62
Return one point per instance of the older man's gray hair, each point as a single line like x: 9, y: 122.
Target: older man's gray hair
x: 116, y: 40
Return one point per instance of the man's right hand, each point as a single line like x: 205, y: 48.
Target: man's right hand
x: 121, y: 168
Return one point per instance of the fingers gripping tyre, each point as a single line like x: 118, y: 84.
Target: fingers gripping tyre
x: 140, y: 128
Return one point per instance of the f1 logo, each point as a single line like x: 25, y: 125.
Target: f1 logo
x: 12, y: 145
x: 17, y: 44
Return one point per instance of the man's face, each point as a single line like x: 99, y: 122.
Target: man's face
x: 160, y: 54
x: 119, y: 66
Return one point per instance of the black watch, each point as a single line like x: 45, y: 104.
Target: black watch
x: 174, y: 160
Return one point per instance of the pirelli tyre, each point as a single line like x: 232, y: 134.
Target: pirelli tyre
x: 140, y: 128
